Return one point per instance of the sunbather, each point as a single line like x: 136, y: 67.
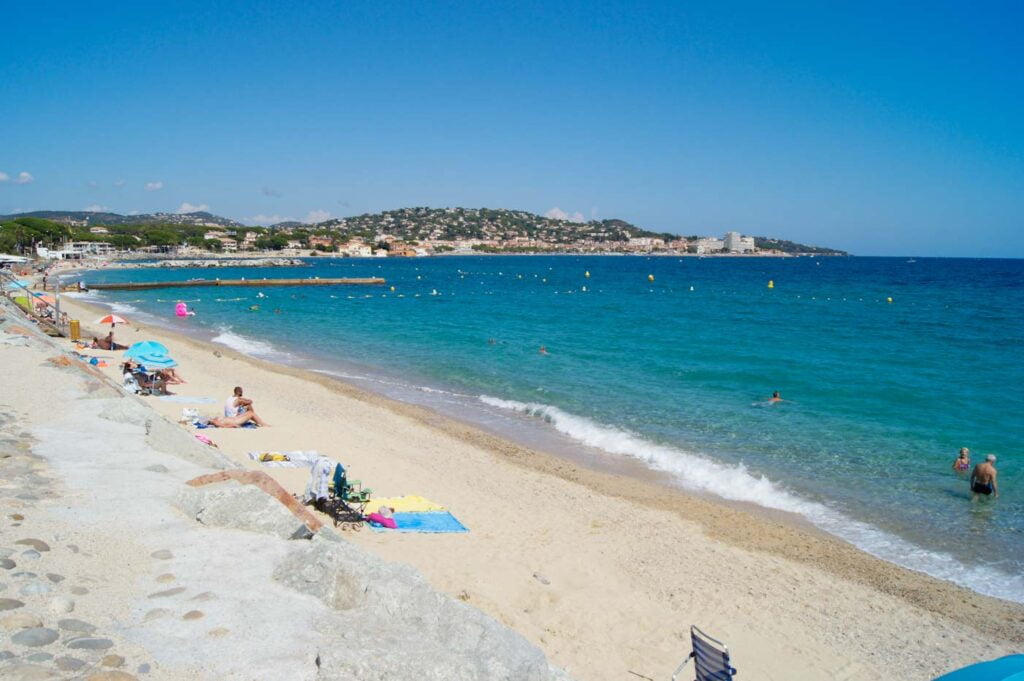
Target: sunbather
x: 170, y: 376
x: 237, y: 421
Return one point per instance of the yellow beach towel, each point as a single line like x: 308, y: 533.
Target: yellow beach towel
x: 410, y: 503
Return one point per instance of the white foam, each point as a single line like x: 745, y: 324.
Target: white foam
x: 245, y: 345
x: 122, y: 308
x: 736, y: 483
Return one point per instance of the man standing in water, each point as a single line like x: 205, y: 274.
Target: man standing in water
x: 983, y: 479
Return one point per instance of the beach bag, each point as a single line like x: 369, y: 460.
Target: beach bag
x: 189, y: 414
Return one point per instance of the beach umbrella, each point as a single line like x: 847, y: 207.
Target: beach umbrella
x: 145, y: 348
x: 155, y: 361
x: 1009, y: 668
x: 111, y: 319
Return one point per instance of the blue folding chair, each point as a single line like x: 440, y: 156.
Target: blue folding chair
x: 710, y: 658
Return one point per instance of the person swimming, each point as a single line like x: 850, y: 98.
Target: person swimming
x: 962, y: 463
x: 983, y: 478
x: 776, y: 397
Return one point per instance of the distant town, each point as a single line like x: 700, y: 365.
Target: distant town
x: 407, y: 232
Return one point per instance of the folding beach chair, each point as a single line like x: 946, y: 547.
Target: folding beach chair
x: 710, y: 658
x: 347, y: 499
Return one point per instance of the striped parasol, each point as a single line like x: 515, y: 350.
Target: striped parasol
x: 111, y: 319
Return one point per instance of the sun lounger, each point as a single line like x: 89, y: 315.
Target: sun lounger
x: 710, y: 658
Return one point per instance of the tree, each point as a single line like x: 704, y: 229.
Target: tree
x: 123, y: 242
x: 160, y: 237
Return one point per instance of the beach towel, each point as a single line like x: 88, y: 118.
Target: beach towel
x: 185, y: 399
x: 408, y: 503
x: 319, y: 483
x: 200, y: 424
x: 292, y: 459
x: 427, y: 522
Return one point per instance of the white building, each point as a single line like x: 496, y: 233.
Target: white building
x: 734, y: 243
x: 709, y: 244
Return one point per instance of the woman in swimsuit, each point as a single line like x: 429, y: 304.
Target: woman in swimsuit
x: 962, y: 463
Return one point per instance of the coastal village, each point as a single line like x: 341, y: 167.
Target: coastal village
x: 408, y: 232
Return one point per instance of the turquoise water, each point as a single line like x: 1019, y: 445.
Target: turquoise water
x: 675, y: 373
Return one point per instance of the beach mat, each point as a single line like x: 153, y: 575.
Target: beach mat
x: 427, y: 522
x: 185, y: 399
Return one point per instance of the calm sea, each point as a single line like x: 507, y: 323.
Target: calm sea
x: 675, y: 373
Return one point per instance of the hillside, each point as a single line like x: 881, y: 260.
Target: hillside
x: 452, y: 224
x: 81, y: 218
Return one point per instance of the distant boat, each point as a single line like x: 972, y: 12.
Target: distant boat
x: 911, y: 260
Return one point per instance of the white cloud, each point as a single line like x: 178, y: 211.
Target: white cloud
x: 270, y: 191
x: 557, y: 213
x: 317, y: 216
x: 154, y: 186
x: 24, y: 178
x: 4, y: 177
x: 187, y: 207
x: 96, y: 208
x: 119, y: 183
x: 262, y: 219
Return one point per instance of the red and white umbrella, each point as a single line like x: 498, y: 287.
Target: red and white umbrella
x: 111, y: 319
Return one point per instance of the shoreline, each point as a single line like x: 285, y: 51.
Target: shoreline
x: 721, y: 521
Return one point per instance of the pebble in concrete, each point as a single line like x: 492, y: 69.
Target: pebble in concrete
x: 61, y: 605
x: 168, y: 592
x: 5, y: 655
x: 90, y: 643
x: 205, y: 596
x: 113, y: 675
x: 143, y: 668
x: 34, y: 637
x: 219, y: 632
x: 69, y: 664
x: 157, y: 468
x: 112, y: 661
x: 35, y: 589
x: 39, y: 657
x: 79, y: 590
x: 7, y: 564
x: 37, y: 544
x: 10, y: 604
x: 20, y: 620
x: 165, y: 578
x: 55, y: 578
x: 31, y: 554
x: 162, y: 554
x: 156, y: 613
x: 193, y: 615
x: 76, y: 625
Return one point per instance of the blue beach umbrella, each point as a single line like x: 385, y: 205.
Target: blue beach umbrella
x: 1009, y: 668
x: 145, y: 348
x: 155, y: 360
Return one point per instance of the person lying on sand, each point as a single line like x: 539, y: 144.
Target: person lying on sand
x: 237, y: 421
x: 170, y: 376
x: 98, y: 344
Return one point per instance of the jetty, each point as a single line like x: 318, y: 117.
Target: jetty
x: 192, y: 283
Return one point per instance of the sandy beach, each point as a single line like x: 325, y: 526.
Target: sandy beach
x: 604, y: 573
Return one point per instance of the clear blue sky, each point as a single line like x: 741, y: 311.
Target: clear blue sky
x: 889, y: 128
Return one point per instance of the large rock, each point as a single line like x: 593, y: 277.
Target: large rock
x: 440, y: 639
x: 241, y: 507
x: 171, y: 438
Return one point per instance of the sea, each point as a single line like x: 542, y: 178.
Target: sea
x: 886, y: 367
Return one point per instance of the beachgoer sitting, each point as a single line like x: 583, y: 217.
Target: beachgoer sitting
x: 111, y: 345
x: 983, y: 479
x: 236, y: 404
x: 170, y: 376
x: 962, y: 463
x: 151, y: 382
x: 99, y: 344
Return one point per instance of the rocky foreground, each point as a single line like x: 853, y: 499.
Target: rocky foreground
x: 113, y: 567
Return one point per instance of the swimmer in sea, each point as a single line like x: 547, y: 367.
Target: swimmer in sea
x: 962, y: 463
x: 543, y: 350
x: 983, y: 479
x: 776, y: 397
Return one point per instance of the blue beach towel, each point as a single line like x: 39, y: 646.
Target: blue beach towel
x: 201, y: 426
x: 430, y: 522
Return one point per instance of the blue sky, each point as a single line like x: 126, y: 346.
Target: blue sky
x: 877, y: 128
